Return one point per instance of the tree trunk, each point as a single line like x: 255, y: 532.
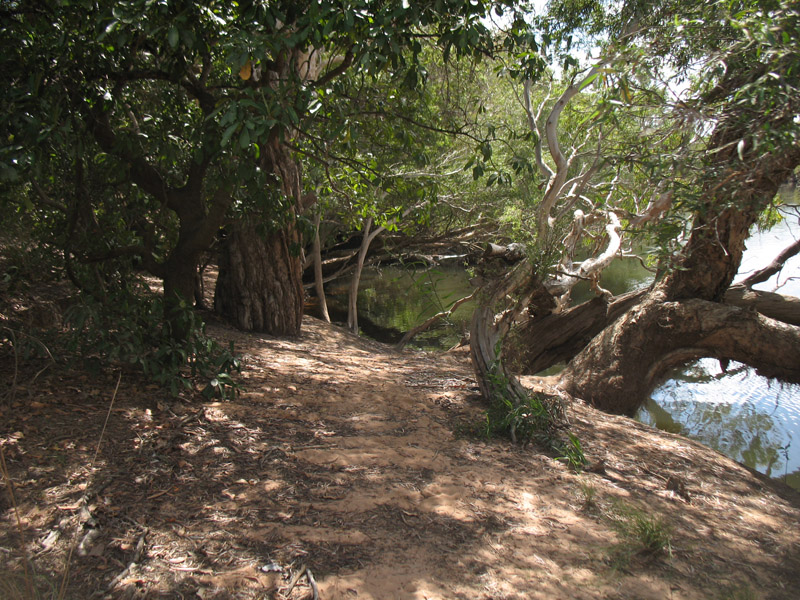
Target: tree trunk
x: 319, y: 284
x: 260, y: 283
x: 259, y: 286
x: 545, y: 341
x: 180, y: 273
x: 491, y: 321
x: 620, y: 366
x: 366, y: 239
x: 352, y: 294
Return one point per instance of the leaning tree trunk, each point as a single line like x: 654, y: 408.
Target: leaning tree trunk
x: 491, y: 322
x: 683, y: 317
x: 259, y: 286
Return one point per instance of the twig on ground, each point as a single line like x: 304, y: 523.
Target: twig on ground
x: 303, y: 570
x: 313, y: 584
x: 293, y: 582
x: 12, y: 498
x: 137, y: 553
x: 63, y: 589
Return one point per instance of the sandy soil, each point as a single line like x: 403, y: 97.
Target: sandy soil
x: 344, y: 463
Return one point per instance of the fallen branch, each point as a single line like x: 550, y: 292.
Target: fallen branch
x: 420, y: 328
x: 296, y: 578
x: 775, y: 306
x: 137, y: 553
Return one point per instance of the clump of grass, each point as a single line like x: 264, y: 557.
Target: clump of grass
x: 589, y: 493
x: 20, y: 586
x: 737, y: 592
x: 571, y: 453
x: 644, y: 534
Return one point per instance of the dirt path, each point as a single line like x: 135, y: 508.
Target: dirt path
x: 344, y: 457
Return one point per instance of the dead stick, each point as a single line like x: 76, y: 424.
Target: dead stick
x: 295, y: 578
x: 313, y: 584
x: 137, y: 553
x: 420, y: 328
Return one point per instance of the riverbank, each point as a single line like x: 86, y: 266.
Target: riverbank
x: 348, y: 459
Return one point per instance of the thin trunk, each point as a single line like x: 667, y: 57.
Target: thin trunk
x: 366, y: 240
x: 318, y: 280
x: 352, y: 296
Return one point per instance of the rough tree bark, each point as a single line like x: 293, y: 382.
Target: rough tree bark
x: 259, y: 286
x: 271, y: 281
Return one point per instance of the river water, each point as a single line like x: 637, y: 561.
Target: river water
x: 737, y: 412
x: 752, y: 419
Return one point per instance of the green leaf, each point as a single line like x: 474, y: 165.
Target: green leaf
x: 588, y: 81
x: 173, y: 36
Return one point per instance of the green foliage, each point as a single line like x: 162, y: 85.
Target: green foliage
x: 130, y: 331
x: 534, y: 418
x: 571, y: 453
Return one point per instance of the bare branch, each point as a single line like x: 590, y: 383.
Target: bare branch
x: 424, y: 326
x: 774, y: 267
x: 556, y: 182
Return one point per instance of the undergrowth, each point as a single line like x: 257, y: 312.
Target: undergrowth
x: 534, y: 417
x: 128, y: 331
x: 643, y: 534
x: 132, y: 331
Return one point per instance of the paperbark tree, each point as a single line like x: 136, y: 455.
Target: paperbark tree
x: 744, y: 131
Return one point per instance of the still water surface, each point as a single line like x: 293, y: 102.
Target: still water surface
x: 743, y: 415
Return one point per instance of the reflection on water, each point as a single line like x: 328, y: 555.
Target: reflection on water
x: 743, y: 415
x: 739, y: 413
x: 399, y: 298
